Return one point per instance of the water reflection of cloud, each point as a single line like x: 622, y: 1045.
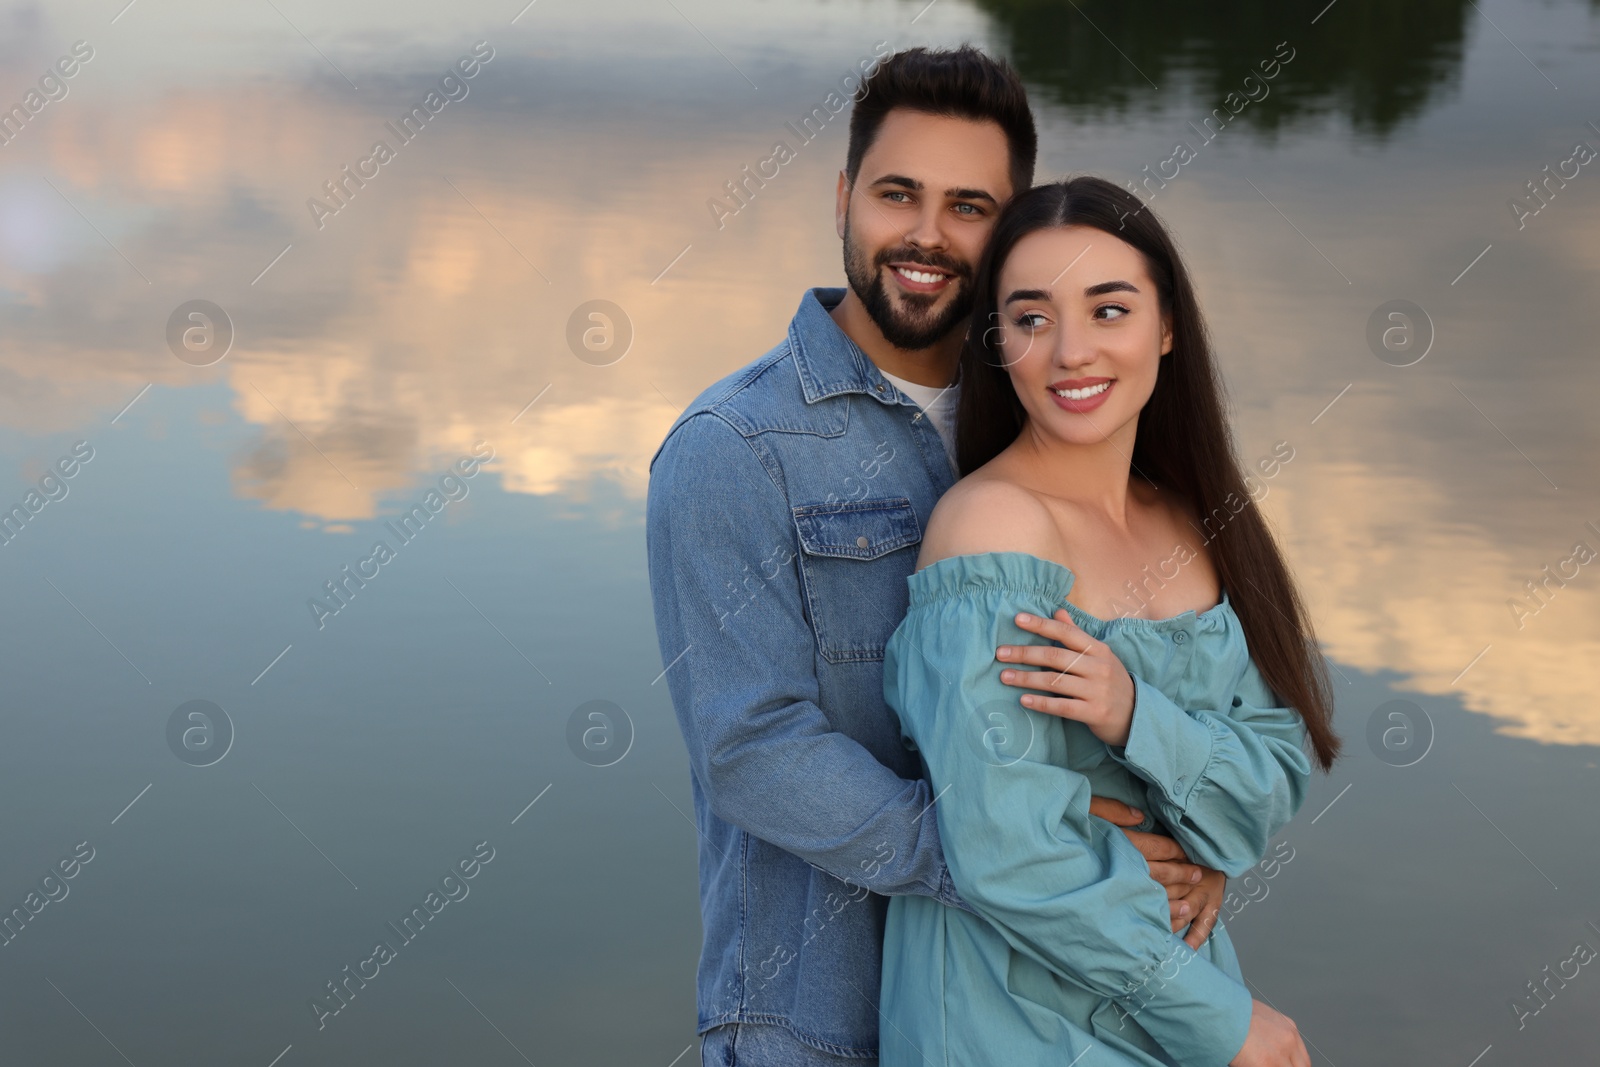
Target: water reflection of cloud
x: 414, y: 327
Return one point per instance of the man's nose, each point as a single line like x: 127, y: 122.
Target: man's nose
x: 928, y: 230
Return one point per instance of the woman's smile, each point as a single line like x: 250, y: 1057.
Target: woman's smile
x: 1080, y: 394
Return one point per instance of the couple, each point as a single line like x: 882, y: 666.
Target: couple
x: 969, y: 779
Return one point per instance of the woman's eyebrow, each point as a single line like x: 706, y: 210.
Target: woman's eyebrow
x: 1094, y: 290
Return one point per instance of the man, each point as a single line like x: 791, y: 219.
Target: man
x: 785, y: 508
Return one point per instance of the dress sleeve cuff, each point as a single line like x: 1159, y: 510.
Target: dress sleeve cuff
x: 1167, y: 747
x: 1192, y: 1008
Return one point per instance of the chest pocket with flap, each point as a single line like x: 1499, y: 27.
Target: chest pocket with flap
x: 854, y: 565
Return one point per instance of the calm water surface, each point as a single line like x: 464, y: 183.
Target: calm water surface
x: 379, y: 345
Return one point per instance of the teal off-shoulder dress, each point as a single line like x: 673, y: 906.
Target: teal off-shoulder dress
x: 1072, y: 958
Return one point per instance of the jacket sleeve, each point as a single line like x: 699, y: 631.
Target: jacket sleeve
x: 744, y: 686
x: 1224, y: 780
x: 1066, y: 888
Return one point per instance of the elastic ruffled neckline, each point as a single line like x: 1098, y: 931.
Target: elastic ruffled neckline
x: 1024, y: 572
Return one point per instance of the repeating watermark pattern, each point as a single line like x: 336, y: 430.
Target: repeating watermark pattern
x: 832, y: 905
x: 1538, y: 592
x: 453, y: 487
x: 1399, y: 333
x: 1542, y: 190
x: 599, y: 332
x: 1540, y: 990
x: 1141, y: 592
x: 452, y: 87
x: 53, y: 86
x: 199, y: 733
x: 1399, y: 733
x: 599, y: 733
x: 199, y: 332
x: 742, y: 190
x: 453, y: 888
x: 52, y: 487
x: 52, y: 889
x: 1256, y: 878
x: 1253, y: 89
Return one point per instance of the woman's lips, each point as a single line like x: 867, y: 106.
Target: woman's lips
x: 1098, y: 396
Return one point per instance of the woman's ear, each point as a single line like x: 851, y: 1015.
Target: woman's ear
x: 1166, y: 333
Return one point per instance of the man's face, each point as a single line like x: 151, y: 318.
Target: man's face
x: 917, y: 218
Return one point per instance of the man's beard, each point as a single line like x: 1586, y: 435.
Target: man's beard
x: 913, y: 325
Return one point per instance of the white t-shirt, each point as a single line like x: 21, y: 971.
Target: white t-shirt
x: 938, y: 404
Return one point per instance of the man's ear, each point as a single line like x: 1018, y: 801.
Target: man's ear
x: 841, y: 204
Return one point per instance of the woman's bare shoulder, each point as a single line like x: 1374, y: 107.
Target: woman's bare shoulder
x: 988, y: 514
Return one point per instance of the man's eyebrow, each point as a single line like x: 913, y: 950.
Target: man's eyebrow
x: 1094, y: 290
x: 971, y: 194
x: 899, y: 179
x: 917, y: 187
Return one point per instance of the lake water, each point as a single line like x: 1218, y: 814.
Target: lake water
x: 353, y: 353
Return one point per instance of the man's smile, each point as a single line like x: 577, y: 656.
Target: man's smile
x: 919, y: 278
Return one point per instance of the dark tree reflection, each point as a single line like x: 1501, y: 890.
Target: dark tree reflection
x: 1376, y: 62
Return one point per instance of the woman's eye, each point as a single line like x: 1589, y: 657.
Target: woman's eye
x: 1111, y: 311
x: 1030, y: 320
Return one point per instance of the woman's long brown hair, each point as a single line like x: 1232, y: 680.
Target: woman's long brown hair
x: 1183, y: 444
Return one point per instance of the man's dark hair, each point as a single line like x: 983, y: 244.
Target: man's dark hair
x: 963, y: 83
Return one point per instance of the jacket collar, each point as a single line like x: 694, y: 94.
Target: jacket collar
x: 829, y: 363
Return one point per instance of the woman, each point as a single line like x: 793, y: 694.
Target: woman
x: 1098, y: 480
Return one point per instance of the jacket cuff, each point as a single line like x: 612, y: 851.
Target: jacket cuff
x: 1192, y: 1009
x: 949, y: 895
x: 1167, y: 747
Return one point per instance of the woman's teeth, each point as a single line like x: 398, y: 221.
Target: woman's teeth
x: 1082, y: 394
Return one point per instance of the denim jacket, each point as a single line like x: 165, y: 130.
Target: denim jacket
x: 785, y: 509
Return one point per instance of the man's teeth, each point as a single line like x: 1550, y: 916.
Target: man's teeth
x: 1082, y: 394
x: 921, y: 277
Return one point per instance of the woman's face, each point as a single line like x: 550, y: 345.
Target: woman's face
x: 1081, y: 332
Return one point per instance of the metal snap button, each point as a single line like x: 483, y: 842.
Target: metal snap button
x: 1180, y: 636
x: 880, y: 387
x: 862, y: 542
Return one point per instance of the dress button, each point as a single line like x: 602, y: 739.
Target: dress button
x: 862, y: 542
x: 1180, y: 636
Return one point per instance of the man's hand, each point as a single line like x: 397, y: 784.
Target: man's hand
x: 1194, y: 893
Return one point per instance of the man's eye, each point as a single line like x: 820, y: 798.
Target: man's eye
x: 894, y: 193
x: 969, y: 209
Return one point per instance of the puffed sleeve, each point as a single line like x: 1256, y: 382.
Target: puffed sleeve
x: 1064, y: 887
x: 1222, y: 780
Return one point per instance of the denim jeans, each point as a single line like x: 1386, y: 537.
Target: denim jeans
x: 766, y: 1045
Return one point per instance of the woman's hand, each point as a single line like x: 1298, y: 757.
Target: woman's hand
x: 1084, y: 679
x: 1274, y: 1041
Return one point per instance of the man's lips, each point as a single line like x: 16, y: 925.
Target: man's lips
x: 920, y: 278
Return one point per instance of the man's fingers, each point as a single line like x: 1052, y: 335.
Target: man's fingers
x: 1201, y: 928
x: 1179, y: 878
x: 1115, y: 811
x: 1156, y: 847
